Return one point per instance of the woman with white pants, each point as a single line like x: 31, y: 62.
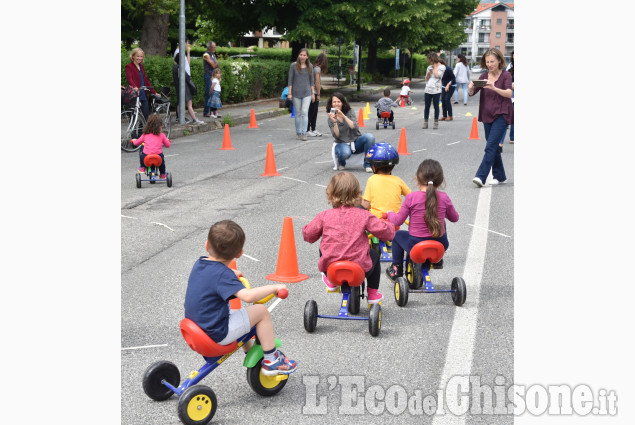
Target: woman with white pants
x: 462, y: 73
x: 301, y: 91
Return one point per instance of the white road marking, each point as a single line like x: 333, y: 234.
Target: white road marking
x: 283, y: 168
x: 251, y: 258
x: 272, y: 145
x: 126, y: 216
x: 291, y: 178
x: 321, y: 185
x: 323, y: 162
x: 161, y: 224
x: 454, y: 143
x: 507, y: 236
x: 174, y: 154
x: 419, y: 150
x: 458, y: 357
x: 145, y: 346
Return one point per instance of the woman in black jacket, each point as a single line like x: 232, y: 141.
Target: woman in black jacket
x: 448, y: 84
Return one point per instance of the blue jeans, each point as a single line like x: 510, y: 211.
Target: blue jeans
x: 434, y: 99
x: 208, y: 87
x: 404, y: 242
x: 446, y: 101
x: 492, y: 158
x: 301, y: 105
x: 511, y: 133
x: 456, y: 93
x: 343, y: 151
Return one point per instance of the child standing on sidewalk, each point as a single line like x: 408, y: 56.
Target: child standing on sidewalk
x: 383, y: 190
x: 428, y: 208
x: 343, y: 231
x: 153, y: 141
x: 214, y: 102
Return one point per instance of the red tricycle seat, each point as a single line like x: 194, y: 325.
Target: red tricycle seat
x: 385, y: 114
x: 427, y: 250
x: 152, y: 160
x: 341, y: 272
x: 200, y: 342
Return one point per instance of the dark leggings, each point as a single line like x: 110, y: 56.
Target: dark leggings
x: 446, y: 101
x: 313, y: 111
x: 434, y: 99
x: 161, y: 167
x: 372, y: 275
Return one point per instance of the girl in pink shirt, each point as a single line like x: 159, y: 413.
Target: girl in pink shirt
x: 343, y: 231
x: 153, y: 141
x: 428, y: 208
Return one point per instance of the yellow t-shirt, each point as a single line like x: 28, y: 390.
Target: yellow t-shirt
x: 384, y: 192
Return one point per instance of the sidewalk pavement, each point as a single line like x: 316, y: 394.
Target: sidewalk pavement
x: 240, y: 113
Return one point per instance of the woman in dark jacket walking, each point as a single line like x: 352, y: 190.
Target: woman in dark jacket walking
x: 448, y: 84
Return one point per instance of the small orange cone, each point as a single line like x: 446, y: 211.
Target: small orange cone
x: 270, y: 163
x: 252, y: 121
x: 474, y: 132
x: 403, y: 144
x: 227, y: 140
x: 403, y: 104
x: 360, y: 119
x: 234, y: 303
x: 287, y: 267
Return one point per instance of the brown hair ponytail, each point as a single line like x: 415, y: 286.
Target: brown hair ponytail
x: 430, y: 175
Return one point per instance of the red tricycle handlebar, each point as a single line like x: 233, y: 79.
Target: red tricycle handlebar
x: 283, y: 293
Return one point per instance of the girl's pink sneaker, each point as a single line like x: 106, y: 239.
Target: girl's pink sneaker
x: 329, y: 286
x: 374, y: 296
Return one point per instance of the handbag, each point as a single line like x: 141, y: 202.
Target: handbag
x: 128, y: 95
x: 190, y: 84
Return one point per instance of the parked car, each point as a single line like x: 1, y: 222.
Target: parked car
x: 477, y: 70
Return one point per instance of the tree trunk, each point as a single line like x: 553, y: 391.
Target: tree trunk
x: 296, y: 46
x: 371, y: 61
x: 154, y: 34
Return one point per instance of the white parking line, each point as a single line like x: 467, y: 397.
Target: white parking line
x: 127, y: 216
x: 251, y: 258
x: 321, y: 185
x: 454, y: 143
x: 144, y: 346
x: 161, y: 224
x: 507, y: 236
x: 277, y: 144
x: 174, y: 154
x: 291, y: 178
x: 419, y: 150
x: 458, y: 357
x: 323, y: 162
x: 283, y: 168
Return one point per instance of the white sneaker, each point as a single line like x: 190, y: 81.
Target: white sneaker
x: 199, y: 121
x: 477, y: 182
x: 341, y: 167
x: 311, y: 134
x: 494, y: 182
x: 369, y: 169
x: 318, y: 134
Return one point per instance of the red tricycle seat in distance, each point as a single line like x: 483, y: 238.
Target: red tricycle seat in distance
x: 427, y: 250
x: 152, y: 160
x: 340, y: 272
x: 385, y: 114
x: 200, y: 342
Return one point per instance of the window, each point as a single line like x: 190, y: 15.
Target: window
x: 510, y: 24
x: 510, y: 37
x: 485, y: 23
x: 483, y: 37
x: 498, y: 35
x: 499, y: 21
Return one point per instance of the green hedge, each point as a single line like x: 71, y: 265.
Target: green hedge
x: 242, y: 80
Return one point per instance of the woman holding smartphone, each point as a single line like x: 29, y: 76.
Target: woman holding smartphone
x: 495, y: 112
x: 343, y: 124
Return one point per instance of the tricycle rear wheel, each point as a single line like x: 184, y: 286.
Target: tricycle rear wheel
x: 153, y: 376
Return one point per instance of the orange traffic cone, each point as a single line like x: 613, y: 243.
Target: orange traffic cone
x: 474, y: 132
x: 227, y: 140
x: 287, y: 267
x: 403, y: 104
x: 360, y: 119
x: 270, y: 163
x: 234, y: 303
x: 252, y: 121
x: 403, y: 144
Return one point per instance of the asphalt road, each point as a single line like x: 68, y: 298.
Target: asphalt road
x: 420, y: 346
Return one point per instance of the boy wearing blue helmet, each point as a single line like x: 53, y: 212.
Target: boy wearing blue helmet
x: 383, y: 190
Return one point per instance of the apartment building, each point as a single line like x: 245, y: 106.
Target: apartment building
x: 491, y: 25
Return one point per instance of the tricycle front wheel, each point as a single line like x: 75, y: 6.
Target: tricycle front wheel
x: 263, y: 384
x: 197, y: 405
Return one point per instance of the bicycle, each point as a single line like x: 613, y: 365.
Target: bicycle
x: 133, y: 121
